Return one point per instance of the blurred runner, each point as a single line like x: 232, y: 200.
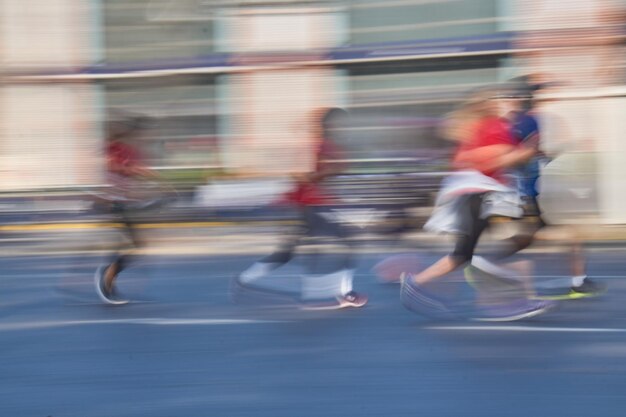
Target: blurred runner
x: 125, y: 171
x: 330, y: 285
x: 518, y: 108
x: 526, y: 128
x: 478, y: 190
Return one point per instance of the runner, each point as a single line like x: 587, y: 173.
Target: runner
x: 329, y: 286
x: 518, y: 108
x: 478, y: 190
x: 125, y: 170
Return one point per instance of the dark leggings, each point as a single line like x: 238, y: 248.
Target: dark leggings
x: 315, y: 224
x: 123, y: 214
x: 466, y: 242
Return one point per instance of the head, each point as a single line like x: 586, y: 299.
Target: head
x: 482, y: 103
x: 127, y: 128
x: 513, y: 103
x: 329, y: 120
x: 500, y: 101
x: 459, y: 125
x: 524, y: 89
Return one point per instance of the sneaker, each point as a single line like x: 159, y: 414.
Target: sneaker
x: 517, y: 310
x: 588, y: 288
x: 351, y: 299
x: 417, y: 300
x: 108, y: 296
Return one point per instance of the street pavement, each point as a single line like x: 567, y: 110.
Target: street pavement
x: 182, y: 348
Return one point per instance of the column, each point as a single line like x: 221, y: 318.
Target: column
x: 50, y: 132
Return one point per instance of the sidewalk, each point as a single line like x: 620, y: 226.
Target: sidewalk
x: 250, y: 238
x: 70, y: 224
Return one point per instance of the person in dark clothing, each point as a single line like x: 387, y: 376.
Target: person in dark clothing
x: 525, y: 129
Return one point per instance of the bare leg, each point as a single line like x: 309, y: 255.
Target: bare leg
x: 122, y: 258
x: 440, y: 268
x: 110, y: 274
x: 577, y: 260
x: 578, y: 263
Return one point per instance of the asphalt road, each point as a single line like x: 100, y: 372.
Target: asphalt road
x: 183, y: 349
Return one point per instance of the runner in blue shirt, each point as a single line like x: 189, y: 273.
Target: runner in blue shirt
x: 525, y: 128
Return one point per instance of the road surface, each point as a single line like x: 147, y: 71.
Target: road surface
x: 183, y: 349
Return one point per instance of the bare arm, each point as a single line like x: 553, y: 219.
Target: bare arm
x: 503, y: 156
x: 517, y: 156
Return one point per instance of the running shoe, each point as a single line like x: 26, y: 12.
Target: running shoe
x: 587, y: 289
x: 352, y: 299
x: 517, y: 310
x: 108, y: 296
x: 415, y: 299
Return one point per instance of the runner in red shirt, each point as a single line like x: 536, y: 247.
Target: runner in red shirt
x: 486, y: 149
x: 491, y: 141
x: 125, y: 169
x: 329, y: 287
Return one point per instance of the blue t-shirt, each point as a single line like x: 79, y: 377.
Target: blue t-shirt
x: 524, y: 127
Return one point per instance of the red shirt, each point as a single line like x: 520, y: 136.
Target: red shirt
x: 120, y: 158
x: 312, y: 193
x: 488, y: 132
x: 121, y: 155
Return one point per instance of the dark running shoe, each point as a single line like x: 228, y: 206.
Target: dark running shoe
x: 588, y: 288
x: 108, y: 296
x: 419, y: 301
x: 517, y: 310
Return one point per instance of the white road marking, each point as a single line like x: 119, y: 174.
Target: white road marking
x: 530, y: 329
x: 31, y: 325
x: 59, y: 274
x: 569, y: 276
